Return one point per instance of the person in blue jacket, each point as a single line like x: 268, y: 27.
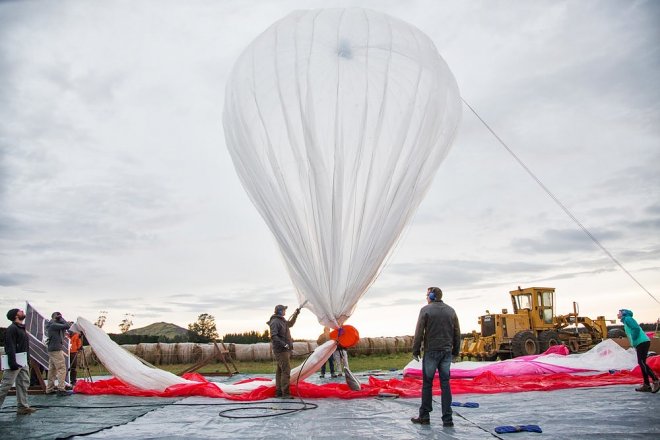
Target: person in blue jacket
x: 641, y: 342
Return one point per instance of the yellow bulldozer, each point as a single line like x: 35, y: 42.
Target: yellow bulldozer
x: 532, y: 328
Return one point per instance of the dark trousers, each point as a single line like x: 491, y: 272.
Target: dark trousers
x: 73, y: 369
x: 642, y: 353
x: 283, y: 373
x: 436, y: 361
x: 332, y: 366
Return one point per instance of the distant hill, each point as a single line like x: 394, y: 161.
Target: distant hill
x: 166, y: 329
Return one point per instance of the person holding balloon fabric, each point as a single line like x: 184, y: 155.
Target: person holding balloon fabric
x: 282, y: 345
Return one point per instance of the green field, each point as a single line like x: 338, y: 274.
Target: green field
x: 394, y: 361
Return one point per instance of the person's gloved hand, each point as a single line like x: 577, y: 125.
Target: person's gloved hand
x: 455, y: 358
x: 286, y: 346
x: 416, y: 356
x: 297, y: 310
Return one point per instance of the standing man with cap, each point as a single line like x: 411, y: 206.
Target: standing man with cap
x: 282, y: 344
x: 17, y: 341
x: 437, y: 327
x: 55, y: 329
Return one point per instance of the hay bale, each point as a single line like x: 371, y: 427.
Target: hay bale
x: 168, y: 353
x: 232, y: 350
x: 379, y: 346
x: 262, y: 351
x: 244, y: 352
x: 130, y: 347
x: 390, y: 345
x: 206, y: 350
x: 404, y: 344
x: 148, y: 352
x: 89, y: 356
x: 188, y: 353
x: 363, y: 347
x: 302, y: 348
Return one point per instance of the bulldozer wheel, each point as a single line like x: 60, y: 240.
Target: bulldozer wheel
x: 547, y: 339
x: 524, y: 343
x: 616, y: 333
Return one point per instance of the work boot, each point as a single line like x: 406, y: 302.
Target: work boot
x: 333, y: 375
x: 25, y: 411
x: 287, y: 396
x: 420, y: 421
x: 322, y: 376
x: 656, y: 386
x: 63, y: 393
x: 646, y: 388
x: 449, y: 424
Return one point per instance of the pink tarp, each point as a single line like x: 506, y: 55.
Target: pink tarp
x: 605, y: 356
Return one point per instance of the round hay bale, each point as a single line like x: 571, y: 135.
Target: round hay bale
x: 206, y: 350
x: 148, y: 352
x: 168, y: 353
x: 390, y: 345
x: 89, y: 356
x: 232, y: 350
x: 301, y: 348
x: 363, y: 347
x: 188, y: 353
x: 378, y: 346
x: 244, y: 352
x: 262, y: 351
x: 129, y: 347
x: 405, y: 343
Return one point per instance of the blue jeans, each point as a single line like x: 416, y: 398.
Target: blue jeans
x: 440, y: 361
x: 332, y: 366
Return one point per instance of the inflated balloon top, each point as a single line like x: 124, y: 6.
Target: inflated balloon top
x: 337, y: 121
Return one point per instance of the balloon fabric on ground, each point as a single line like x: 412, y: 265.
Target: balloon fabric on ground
x: 606, y: 356
x: 136, y: 379
x: 337, y: 121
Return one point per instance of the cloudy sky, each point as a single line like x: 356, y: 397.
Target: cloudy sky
x: 117, y: 192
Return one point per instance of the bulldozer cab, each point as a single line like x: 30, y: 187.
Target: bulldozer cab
x: 537, y: 303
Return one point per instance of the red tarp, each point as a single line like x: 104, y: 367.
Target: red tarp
x: 485, y: 383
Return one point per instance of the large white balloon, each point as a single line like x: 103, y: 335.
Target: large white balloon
x: 337, y: 120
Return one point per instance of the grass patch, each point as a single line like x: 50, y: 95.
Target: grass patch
x: 394, y: 361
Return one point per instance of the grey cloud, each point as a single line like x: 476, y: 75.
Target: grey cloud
x: 562, y: 241
x: 14, y: 279
x: 647, y: 224
x: 653, y: 209
x: 462, y: 272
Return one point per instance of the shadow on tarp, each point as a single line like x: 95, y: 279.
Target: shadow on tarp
x: 59, y: 417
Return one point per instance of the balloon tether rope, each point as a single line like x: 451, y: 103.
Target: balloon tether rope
x: 559, y: 203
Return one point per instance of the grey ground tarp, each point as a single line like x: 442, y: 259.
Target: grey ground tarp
x: 615, y: 412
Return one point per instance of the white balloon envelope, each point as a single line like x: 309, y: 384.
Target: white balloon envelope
x: 337, y: 121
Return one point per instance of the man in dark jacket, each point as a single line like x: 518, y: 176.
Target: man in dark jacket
x: 56, y: 331
x: 437, y: 327
x: 282, y: 344
x: 17, y: 341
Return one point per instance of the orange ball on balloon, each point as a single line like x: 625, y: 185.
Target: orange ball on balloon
x: 347, y: 336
